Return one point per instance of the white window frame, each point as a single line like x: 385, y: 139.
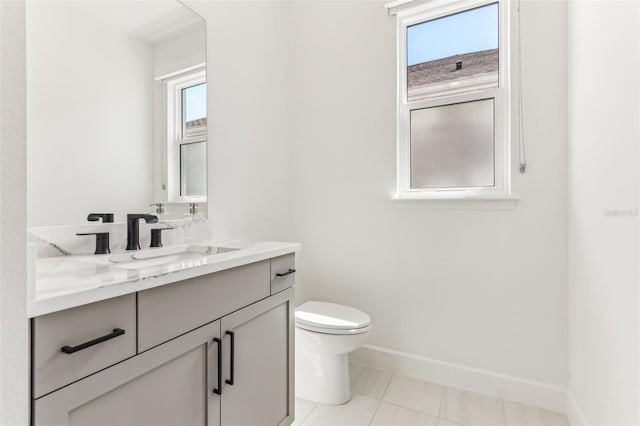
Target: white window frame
x: 175, y: 139
x: 411, y: 12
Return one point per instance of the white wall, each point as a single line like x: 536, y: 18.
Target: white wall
x: 249, y: 154
x: 14, y: 359
x: 604, y: 104
x: 478, y: 284
x: 302, y: 147
x: 88, y: 117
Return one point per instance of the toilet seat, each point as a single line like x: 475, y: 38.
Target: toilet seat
x: 333, y: 331
x: 331, y: 318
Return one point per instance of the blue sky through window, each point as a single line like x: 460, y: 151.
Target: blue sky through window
x: 470, y: 31
x: 195, y: 102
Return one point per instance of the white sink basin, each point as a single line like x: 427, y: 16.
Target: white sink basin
x: 159, y: 256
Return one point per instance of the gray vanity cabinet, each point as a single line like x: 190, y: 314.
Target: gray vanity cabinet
x: 204, y: 363
x: 259, y: 341
x: 171, y: 384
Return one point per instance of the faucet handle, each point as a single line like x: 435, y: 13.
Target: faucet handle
x: 156, y: 236
x: 102, y: 241
x: 149, y: 218
x: 106, y: 217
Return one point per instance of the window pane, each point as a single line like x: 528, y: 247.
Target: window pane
x: 194, y: 109
x: 452, y: 146
x: 193, y: 169
x: 452, y: 52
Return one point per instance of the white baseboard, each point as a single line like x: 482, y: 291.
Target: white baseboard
x: 477, y: 380
x: 574, y: 413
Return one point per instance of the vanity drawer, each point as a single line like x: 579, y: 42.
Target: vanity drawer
x: 92, y: 336
x: 282, y: 276
x: 171, y: 310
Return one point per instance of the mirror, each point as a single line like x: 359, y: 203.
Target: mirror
x: 116, y: 108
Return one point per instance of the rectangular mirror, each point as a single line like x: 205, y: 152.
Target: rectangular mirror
x: 116, y: 108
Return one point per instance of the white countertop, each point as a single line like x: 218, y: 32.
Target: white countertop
x: 68, y: 281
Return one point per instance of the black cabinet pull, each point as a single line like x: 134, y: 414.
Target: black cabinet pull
x: 232, y: 334
x: 218, y: 390
x: 71, y: 349
x: 284, y: 274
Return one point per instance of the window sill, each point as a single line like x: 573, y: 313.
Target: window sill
x: 184, y: 202
x: 454, y: 196
x: 187, y: 200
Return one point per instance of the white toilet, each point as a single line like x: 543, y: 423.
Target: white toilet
x: 325, y: 334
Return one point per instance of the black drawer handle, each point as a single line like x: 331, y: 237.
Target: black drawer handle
x: 232, y: 334
x: 290, y: 271
x: 71, y: 349
x: 218, y: 390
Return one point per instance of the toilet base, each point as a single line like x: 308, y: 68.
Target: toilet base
x: 323, y: 379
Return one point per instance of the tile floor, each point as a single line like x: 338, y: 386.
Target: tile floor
x: 382, y: 398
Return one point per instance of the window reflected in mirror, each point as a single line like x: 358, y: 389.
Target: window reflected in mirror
x: 193, y: 169
x: 194, y: 110
x: 186, y: 130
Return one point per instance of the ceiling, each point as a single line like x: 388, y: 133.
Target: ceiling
x: 151, y: 21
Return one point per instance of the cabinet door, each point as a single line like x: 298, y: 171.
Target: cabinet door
x: 171, y: 384
x: 258, y: 363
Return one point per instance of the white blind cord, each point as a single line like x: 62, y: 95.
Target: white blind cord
x: 521, y: 145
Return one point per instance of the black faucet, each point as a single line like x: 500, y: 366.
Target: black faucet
x: 133, y: 229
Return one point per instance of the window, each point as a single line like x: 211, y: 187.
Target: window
x: 454, y: 106
x: 187, y: 137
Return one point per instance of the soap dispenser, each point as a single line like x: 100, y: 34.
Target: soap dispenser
x: 196, y: 229
x: 159, y: 208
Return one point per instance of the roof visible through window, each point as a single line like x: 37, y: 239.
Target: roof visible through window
x: 459, y: 49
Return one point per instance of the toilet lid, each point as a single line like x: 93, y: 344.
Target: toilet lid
x: 330, y: 316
